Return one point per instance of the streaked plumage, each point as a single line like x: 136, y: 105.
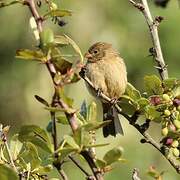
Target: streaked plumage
x: 107, y: 71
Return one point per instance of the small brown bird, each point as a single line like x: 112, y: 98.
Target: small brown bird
x: 107, y: 71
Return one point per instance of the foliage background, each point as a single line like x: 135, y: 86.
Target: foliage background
x: 113, y: 21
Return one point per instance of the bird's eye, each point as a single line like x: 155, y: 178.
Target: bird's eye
x: 95, y: 51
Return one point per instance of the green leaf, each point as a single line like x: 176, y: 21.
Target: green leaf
x: 95, y: 125
x: 62, y: 65
x: 92, y: 112
x: 65, y: 98
x: 153, y: 85
x: 152, y: 114
x: 82, y: 137
x: 101, y: 163
x: 29, y: 154
x: 128, y: 105
x: 81, y: 118
x: 142, y: 102
x: 75, y: 47
x: 55, y: 109
x: 15, y: 146
x: 37, y: 136
x: 7, y: 173
x: 97, y: 145
x: 169, y: 84
x: 41, y: 100
x: 113, y: 155
x: 71, y: 142
x: 62, y: 119
x: 58, y: 13
x: 3, y: 4
x: 44, y: 169
x: 61, y: 40
x: 132, y: 92
x: 28, y: 54
x: 46, y: 37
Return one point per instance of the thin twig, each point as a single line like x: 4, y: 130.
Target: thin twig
x: 4, y: 139
x: 153, y: 28
x: 63, y: 174
x: 78, y: 165
x: 132, y: 121
x: 10, y: 157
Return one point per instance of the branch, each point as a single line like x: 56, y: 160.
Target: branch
x: 153, y: 28
x: 52, y: 71
x: 56, y: 100
x: 132, y: 121
x: 79, y: 166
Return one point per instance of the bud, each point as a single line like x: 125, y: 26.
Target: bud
x: 155, y: 100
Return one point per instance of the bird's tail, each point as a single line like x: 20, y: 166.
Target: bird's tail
x: 114, y: 127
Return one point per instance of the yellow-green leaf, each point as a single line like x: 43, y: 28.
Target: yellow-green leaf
x: 75, y: 46
x: 7, y: 173
x: 28, y: 54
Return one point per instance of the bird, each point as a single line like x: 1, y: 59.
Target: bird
x: 107, y: 72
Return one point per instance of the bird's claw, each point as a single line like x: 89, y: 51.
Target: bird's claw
x: 113, y: 101
x: 82, y: 72
x: 99, y: 92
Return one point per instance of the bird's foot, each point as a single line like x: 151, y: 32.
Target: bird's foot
x: 82, y: 72
x: 99, y: 92
x: 114, y: 101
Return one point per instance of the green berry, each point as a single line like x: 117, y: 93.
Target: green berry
x: 178, y: 108
x: 167, y: 112
x: 175, y: 144
x: 164, y: 131
x: 176, y: 123
x: 53, y: 6
x: 166, y: 97
x: 176, y: 152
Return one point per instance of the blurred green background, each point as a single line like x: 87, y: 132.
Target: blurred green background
x: 111, y: 21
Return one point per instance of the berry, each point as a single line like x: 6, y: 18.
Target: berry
x: 166, y: 97
x: 155, y: 100
x: 176, y: 102
x: 164, y: 131
x: 167, y: 112
x: 172, y: 127
x: 176, y: 123
x: 169, y: 141
x: 176, y: 152
x: 175, y: 144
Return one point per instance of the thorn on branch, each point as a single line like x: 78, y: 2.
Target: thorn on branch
x: 143, y: 141
x: 135, y: 174
x: 144, y: 127
x: 137, y: 5
x: 157, y: 20
x: 152, y: 52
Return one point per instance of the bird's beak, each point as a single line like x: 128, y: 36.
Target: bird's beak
x: 88, y: 55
